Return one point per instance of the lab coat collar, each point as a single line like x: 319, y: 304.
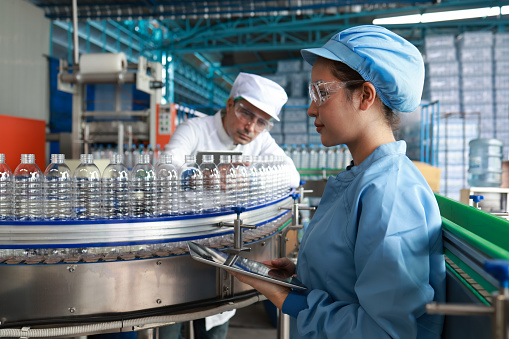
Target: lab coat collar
x: 398, y: 147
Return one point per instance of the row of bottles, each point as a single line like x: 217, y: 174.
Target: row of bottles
x: 319, y: 156
x: 146, y: 191
x: 131, y: 153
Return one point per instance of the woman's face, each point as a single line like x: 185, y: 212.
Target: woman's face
x: 336, y: 119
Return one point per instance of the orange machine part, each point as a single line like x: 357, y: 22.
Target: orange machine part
x: 163, y: 139
x: 22, y: 136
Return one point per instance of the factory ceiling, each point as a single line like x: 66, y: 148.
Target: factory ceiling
x: 225, y: 37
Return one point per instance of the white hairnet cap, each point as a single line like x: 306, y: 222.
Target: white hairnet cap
x: 261, y: 92
x: 392, y: 64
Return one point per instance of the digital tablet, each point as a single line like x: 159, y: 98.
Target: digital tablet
x: 239, y: 264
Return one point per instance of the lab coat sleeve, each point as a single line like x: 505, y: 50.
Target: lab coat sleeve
x: 270, y: 147
x: 391, y: 256
x: 182, y: 142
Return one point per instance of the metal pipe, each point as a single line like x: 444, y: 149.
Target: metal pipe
x: 76, y: 53
x: 459, y: 309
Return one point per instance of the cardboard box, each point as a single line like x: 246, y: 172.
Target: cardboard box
x: 430, y: 173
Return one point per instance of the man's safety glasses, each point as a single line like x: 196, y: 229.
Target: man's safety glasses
x: 320, y: 91
x: 248, y: 117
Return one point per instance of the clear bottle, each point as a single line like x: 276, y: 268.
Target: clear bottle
x: 87, y: 189
x: 322, y: 157
x: 261, y: 179
x: 211, y: 185
x: 157, y: 154
x: 190, y: 187
x: 167, y: 186
x: 304, y: 156
x: 296, y: 156
x: 6, y: 190
x: 242, y: 190
x: 271, y: 175
x: 58, y: 189
x: 228, y: 182
x: 331, y: 158
x: 253, y: 181
x: 143, y: 188
x: 115, y: 189
x: 28, y: 189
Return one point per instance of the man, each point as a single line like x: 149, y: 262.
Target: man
x: 242, y: 126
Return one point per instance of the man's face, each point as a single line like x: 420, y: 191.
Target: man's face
x: 244, y: 125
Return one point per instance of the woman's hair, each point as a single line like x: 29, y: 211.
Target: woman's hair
x: 344, y: 73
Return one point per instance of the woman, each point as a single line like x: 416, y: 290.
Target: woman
x: 372, y: 254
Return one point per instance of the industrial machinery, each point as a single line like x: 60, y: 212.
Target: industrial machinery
x: 69, y: 278
x: 110, y: 126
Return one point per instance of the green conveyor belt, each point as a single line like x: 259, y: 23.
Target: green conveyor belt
x: 483, y: 231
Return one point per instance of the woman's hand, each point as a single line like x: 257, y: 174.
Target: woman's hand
x: 274, y: 292
x: 280, y: 268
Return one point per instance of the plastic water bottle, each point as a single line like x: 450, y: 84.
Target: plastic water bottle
x: 296, y: 156
x: 485, y: 162
x: 87, y: 189
x: 271, y: 183
x: 322, y: 157
x: 143, y: 188
x: 28, y: 189
x: 242, y: 191
x: 340, y: 152
x: 228, y: 182
x: 128, y: 157
x: 190, y: 187
x: 167, y: 186
x: 347, y: 157
x: 331, y: 158
x: 211, y: 185
x: 6, y: 189
x: 261, y: 179
x: 313, y: 157
x: 157, y: 154
x: 253, y: 180
x: 58, y: 189
x: 304, y: 157
x: 115, y: 189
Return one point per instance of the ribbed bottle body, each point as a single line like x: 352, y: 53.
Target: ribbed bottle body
x: 58, y: 189
x: 6, y: 190
x: 261, y: 182
x: 190, y: 187
x: 115, y: 182
x: 143, y: 189
x: 28, y: 189
x: 167, y: 186
x: 228, y: 183
x: 253, y: 180
x: 211, y: 185
x: 87, y: 189
x: 242, y: 187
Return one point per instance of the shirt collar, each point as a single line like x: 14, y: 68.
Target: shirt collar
x: 398, y: 147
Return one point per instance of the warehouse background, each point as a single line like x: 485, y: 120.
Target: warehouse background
x: 202, y: 46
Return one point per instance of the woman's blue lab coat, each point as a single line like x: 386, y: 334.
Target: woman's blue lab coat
x: 372, y: 255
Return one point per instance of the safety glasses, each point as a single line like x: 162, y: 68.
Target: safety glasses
x: 248, y: 117
x: 320, y: 91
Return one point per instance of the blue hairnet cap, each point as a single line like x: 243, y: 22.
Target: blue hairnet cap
x: 392, y: 64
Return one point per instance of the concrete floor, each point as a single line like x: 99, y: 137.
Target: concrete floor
x: 252, y: 322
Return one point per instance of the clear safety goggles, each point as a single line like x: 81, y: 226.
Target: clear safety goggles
x: 248, y: 117
x: 320, y: 91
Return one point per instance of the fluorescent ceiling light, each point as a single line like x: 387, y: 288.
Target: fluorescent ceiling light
x: 443, y: 16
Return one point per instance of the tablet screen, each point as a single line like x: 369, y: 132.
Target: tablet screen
x: 239, y: 264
